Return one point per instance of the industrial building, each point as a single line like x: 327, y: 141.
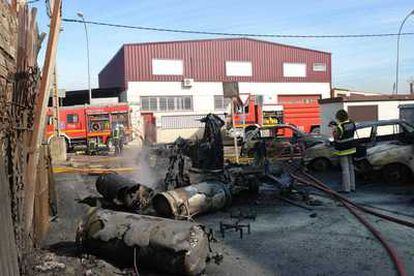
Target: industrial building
x: 363, y: 108
x: 169, y: 85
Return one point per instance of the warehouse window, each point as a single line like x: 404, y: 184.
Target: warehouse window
x: 294, y: 69
x: 238, y: 68
x: 72, y: 118
x: 167, y: 67
x: 145, y: 103
x: 319, y: 67
x: 153, y: 103
x: 220, y: 103
x: 171, y: 103
x: 163, y: 104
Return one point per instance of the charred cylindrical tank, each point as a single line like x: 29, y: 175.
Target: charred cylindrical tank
x: 164, y: 245
x: 122, y: 191
x: 191, y: 200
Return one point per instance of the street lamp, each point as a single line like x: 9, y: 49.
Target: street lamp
x: 398, y: 51
x: 81, y: 16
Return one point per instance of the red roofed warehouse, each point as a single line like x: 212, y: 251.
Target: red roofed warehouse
x: 171, y: 84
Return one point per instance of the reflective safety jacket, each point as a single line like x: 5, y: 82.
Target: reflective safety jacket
x: 344, y: 141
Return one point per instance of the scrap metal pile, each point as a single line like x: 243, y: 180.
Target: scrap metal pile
x: 136, y: 225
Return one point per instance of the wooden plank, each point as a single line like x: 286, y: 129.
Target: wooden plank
x: 40, y: 114
x: 41, y: 203
x: 8, y: 252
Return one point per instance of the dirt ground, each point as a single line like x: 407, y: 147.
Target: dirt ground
x: 284, y: 239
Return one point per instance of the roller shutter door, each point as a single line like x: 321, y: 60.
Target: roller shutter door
x: 301, y: 110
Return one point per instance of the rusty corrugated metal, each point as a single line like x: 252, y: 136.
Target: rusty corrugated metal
x: 204, y: 60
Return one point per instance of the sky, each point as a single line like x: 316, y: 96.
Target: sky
x: 361, y: 64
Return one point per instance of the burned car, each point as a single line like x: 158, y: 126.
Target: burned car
x: 394, y: 160
x: 280, y: 140
x: 367, y: 135
x: 391, y: 155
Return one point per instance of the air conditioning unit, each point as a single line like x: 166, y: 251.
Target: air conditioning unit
x: 188, y: 82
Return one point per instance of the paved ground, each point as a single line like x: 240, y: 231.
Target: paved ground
x: 284, y: 239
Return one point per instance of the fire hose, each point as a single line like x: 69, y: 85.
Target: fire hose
x: 322, y: 187
x: 353, y: 208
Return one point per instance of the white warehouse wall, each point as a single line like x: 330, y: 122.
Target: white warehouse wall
x: 387, y: 110
x: 203, y: 96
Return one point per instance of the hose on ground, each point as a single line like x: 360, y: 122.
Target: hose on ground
x: 352, y: 207
x: 321, y: 186
x: 391, y: 251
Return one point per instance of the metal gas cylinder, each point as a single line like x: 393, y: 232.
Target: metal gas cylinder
x: 195, y: 199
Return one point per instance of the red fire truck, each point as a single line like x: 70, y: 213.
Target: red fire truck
x: 301, y: 111
x: 81, y: 125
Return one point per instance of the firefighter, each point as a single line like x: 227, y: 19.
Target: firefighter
x: 343, y: 133
x: 117, y: 136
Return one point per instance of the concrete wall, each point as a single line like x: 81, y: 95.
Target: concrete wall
x: 169, y: 135
x: 203, y: 98
x: 387, y: 110
x: 327, y: 114
x: 109, y: 100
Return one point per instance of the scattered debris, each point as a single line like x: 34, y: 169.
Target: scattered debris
x: 207, y: 154
x: 170, y: 246
x: 50, y: 264
x: 237, y: 226
x: 176, y: 177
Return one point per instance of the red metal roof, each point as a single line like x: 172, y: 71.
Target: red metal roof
x: 204, y: 60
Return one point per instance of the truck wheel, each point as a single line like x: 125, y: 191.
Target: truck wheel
x: 316, y: 130
x: 396, y: 173
x: 110, y: 144
x: 320, y: 164
x: 69, y: 147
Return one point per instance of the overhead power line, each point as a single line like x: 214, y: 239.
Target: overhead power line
x: 184, y: 31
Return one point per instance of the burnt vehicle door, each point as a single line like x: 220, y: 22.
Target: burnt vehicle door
x: 364, y: 138
x: 397, y: 131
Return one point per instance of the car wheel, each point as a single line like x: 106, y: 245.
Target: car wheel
x: 316, y: 131
x: 320, y: 164
x: 396, y: 173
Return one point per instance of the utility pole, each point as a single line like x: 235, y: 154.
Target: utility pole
x: 397, y: 66
x: 236, y: 149
x: 81, y: 16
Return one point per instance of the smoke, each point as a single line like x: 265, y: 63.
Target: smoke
x: 149, y: 169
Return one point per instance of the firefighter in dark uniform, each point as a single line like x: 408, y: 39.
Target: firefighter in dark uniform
x: 345, y: 148
x: 118, y: 138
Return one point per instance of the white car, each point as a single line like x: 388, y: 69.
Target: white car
x: 368, y: 135
x: 394, y: 159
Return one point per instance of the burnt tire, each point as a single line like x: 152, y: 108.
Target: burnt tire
x: 316, y: 130
x: 320, y: 164
x: 396, y: 173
